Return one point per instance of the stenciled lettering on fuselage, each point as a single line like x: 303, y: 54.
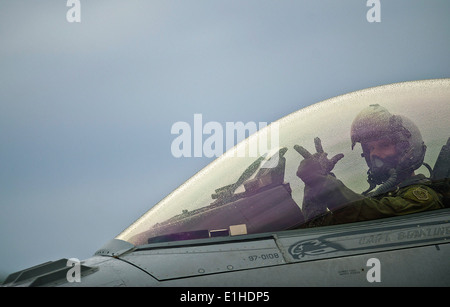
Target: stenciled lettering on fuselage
x: 365, y: 240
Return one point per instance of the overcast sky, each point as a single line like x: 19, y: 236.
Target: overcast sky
x: 86, y: 109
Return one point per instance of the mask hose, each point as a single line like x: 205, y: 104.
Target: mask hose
x: 386, y: 186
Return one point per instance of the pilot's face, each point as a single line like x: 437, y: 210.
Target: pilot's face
x: 383, y: 148
x: 383, y: 157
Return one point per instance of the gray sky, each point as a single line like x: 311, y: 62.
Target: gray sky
x: 86, y: 108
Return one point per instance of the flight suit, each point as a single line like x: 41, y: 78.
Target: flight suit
x: 413, y: 195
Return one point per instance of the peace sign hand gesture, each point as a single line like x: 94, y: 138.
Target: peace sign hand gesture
x: 315, y: 166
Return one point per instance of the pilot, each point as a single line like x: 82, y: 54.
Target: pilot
x: 393, y: 149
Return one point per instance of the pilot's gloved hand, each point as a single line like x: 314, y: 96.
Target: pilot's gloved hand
x: 316, y: 166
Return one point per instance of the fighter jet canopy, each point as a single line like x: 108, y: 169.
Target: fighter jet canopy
x: 253, y: 188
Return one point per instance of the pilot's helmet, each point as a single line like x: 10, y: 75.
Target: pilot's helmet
x: 374, y: 123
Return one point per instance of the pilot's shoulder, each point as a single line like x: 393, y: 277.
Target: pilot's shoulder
x: 421, y: 193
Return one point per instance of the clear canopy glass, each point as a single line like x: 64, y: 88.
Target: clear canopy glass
x: 253, y: 188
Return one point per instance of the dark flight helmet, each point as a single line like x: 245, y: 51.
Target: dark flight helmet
x: 376, y: 122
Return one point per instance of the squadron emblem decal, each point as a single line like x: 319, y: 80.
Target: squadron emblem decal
x: 312, y: 248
